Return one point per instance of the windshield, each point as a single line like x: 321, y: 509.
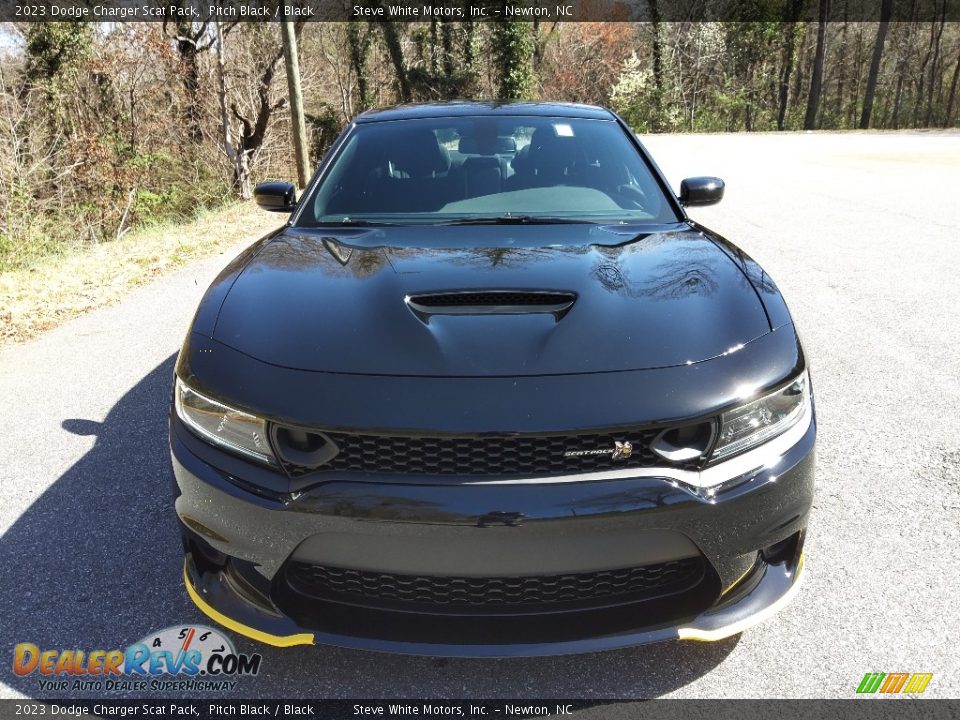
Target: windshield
x: 487, y: 169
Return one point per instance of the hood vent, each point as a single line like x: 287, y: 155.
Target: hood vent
x: 491, y: 302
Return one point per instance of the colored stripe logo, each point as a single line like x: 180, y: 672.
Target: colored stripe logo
x: 893, y: 683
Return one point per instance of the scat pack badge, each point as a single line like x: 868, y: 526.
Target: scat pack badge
x: 199, y: 657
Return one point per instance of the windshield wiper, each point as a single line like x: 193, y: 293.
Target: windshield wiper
x: 515, y: 220
x: 350, y: 222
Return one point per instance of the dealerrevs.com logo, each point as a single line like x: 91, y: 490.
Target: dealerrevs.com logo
x: 197, y: 657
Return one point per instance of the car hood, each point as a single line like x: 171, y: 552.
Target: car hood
x: 337, y: 300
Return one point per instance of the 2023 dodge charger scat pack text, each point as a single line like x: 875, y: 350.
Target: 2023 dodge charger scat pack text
x: 491, y: 392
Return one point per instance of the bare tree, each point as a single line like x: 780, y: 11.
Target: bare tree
x: 191, y: 39
x: 886, y: 9
x: 359, y: 42
x: 252, y: 126
x: 391, y: 37
x: 935, y: 65
x: 952, y: 96
x: 816, y: 79
x: 791, y: 17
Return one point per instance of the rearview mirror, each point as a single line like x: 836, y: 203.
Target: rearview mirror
x: 701, y: 191
x: 276, y: 196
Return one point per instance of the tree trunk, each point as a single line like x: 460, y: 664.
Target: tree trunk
x: 228, y: 147
x: 886, y: 9
x: 191, y: 83
x: 695, y: 88
x: 513, y: 58
x: 934, y: 66
x: 541, y: 38
x: 358, y: 59
x: 392, y: 39
x: 798, y: 78
x: 241, y: 176
x: 953, y: 93
x: 816, y: 79
x: 446, y: 32
x: 905, y: 50
x: 434, y: 45
x: 842, y: 67
x: 657, y: 51
x: 789, y: 48
x: 189, y: 40
x: 897, y: 99
x: 857, y: 80
x: 469, y: 46
x: 918, y: 100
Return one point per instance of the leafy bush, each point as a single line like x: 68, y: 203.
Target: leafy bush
x: 636, y: 98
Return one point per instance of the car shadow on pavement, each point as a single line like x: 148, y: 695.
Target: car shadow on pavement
x: 96, y: 563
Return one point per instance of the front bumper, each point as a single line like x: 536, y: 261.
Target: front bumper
x: 774, y: 587
x: 238, y: 544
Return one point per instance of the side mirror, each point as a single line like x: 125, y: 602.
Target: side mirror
x: 701, y: 191
x: 276, y: 196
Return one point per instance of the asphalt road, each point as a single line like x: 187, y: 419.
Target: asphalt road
x: 861, y: 232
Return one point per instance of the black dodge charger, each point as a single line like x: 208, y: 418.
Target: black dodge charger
x: 489, y: 391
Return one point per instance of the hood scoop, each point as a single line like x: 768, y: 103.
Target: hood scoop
x: 491, y: 302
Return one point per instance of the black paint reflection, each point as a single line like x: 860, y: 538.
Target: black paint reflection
x: 684, y: 268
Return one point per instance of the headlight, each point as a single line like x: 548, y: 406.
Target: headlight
x: 223, y: 425
x: 763, y: 419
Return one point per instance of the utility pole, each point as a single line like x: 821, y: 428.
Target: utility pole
x: 292, y: 63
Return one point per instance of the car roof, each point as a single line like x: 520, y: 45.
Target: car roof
x: 462, y: 108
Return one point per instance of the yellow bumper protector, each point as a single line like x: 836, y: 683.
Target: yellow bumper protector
x: 239, y: 627
x: 737, y: 627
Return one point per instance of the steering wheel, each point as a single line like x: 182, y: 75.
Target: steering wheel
x: 633, y: 196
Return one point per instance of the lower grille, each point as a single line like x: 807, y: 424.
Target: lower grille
x: 361, y: 587
x: 490, y: 455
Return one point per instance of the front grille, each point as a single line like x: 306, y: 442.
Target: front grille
x: 602, y: 587
x: 488, y: 455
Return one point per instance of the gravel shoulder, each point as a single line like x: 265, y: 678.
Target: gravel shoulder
x: 58, y: 288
